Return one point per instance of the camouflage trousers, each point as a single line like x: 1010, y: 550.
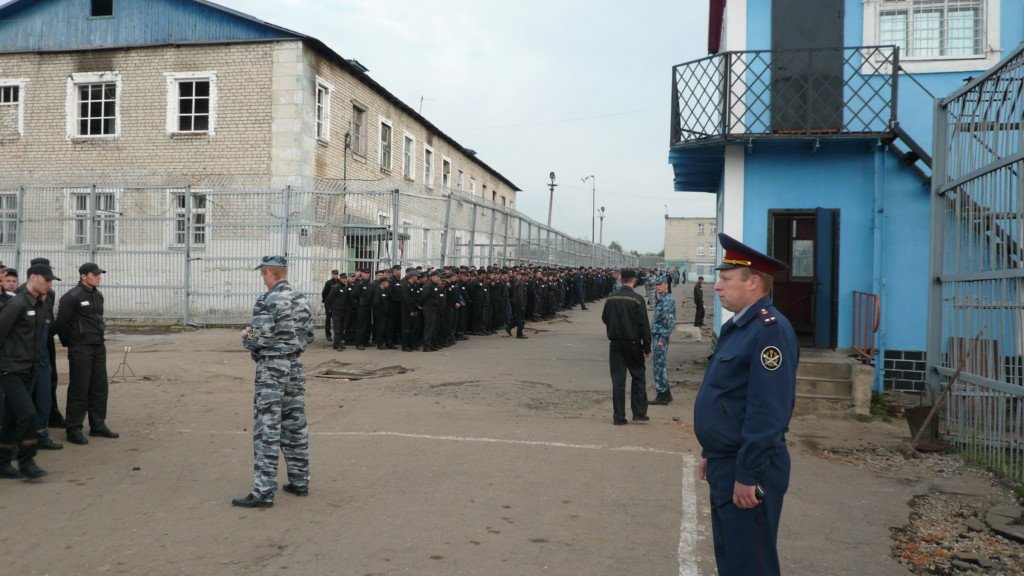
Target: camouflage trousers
x: 279, y: 424
x: 659, y: 358
x: 649, y: 289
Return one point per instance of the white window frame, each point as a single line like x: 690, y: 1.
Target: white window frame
x: 991, y: 51
x: 357, y: 132
x: 380, y: 143
x: 428, y: 166
x: 178, y: 214
x: 71, y: 103
x: 700, y: 250
x: 446, y: 176
x: 76, y: 215
x: 8, y: 218
x: 458, y: 183
x: 700, y: 229
x: 173, y: 109
x: 408, y: 155
x: 20, y: 84
x: 472, y: 186
x: 322, y: 113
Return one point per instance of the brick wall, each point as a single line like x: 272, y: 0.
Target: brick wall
x: 904, y: 370
x: 683, y: 237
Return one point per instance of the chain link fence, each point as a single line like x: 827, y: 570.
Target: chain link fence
x: 186, y: 253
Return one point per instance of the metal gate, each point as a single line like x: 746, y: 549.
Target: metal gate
x: 976, y: 303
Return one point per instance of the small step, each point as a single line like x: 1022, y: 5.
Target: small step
x: 834, y: 370
x: 825, y: 386
x: 819, y: 404
x: 829, y: 397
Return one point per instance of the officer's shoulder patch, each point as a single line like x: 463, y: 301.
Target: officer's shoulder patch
x: 771, y: 358
x: 767, y: 317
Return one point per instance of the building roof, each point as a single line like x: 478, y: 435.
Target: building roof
x: 27, y: 25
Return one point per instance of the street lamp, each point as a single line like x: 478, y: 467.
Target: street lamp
x: 602, y: 225
x: 593, y: 204
x: 551, y: 199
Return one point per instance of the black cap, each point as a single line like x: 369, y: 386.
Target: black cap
x: 11, y: 272
x: 42, y: 270
x: 627, y: 274
x: 90, y: 268
x: 334, y: 271
x: 39, y: 261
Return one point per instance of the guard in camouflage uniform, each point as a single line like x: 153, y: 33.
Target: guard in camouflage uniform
x: 661, y: 330
x: 280, y: 330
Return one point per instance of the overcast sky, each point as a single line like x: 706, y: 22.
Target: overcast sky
x: 577, y: 87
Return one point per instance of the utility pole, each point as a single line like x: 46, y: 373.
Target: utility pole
x: 551, y: 199
x: 593, y: 205
x: 601, y: 242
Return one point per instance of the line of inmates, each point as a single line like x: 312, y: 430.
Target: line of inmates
x: 28, y: 378
x: 432, y: 309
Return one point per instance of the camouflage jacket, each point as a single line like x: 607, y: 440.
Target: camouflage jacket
x: 281, y: 323
x: 664, y: 318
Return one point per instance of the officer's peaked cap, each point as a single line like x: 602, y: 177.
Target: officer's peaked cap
x: 739, y: 255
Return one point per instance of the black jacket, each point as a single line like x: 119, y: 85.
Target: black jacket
x: 625, y: 318
x: 80, y: 317
x: 22, y: 321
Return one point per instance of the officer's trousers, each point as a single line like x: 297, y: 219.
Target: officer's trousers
x: 408, y: 327
x: 341, y: 320
x: 518, y: 318
x: 431, y: 326
x: 381, y: 324
x: 17, y: 429
x: 279, y: 424
x: 660, y: 367
x: 746, y: 540
x: 41, y: 398
x: 87, y: 386
x: 328, y: 323
x: 698, y: 318
x: 624, y: 355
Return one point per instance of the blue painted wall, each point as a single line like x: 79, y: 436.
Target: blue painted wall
x: 66, y: 24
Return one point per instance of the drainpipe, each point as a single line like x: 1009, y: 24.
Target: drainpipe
x: 878, y: 284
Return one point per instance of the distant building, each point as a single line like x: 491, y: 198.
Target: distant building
x: 691, y: 244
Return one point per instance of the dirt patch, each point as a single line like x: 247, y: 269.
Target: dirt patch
x: 335, y: 370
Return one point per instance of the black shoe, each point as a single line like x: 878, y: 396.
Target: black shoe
x: 583, y: 308
x: 29, y: 470
x: 407, y: 349
x: 76, y: 437
x: 360, y: 348
x: 522, y: 337
x: 391, y: 347
x: 8, y: 471
x: 103, y: 432
x: 641, y: 418
x: 659, y: 401
x: 49, y: 444
x: 57, y: 421
x: 620, y: 422
x: 508, y: 331
x: 291, y: 489
x: 251, y: 501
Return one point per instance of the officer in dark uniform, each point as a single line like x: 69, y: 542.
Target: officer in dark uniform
x: 334, y: 281
x: 406, y: 290
x: 432, y: 299
x: 629, y: 342
x: 742, y: 413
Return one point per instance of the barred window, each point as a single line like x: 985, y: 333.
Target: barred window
x: 199, y: 220
x: 8, y: 217
x: 104, y: 228
x: 97, y: 109
x: 933, y: 28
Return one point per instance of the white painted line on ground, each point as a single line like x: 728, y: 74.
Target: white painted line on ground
x: 468, y: 439
x: 688, y: 523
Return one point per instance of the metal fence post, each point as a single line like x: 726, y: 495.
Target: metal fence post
x: 187, y: 279
x: 504, y: 233
x: 285, y: 220
x: 445, y: 232
x: 490, y: 249
x: 395, y: 213
x: 472, y: 235
x: 519, y: 242
x: 18, y: 226
x: 93, y: 224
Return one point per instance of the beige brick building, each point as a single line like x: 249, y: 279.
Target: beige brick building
x: 691, y: 244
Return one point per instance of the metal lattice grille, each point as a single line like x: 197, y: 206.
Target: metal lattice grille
x: 977, y: 297
x: 787, y: 93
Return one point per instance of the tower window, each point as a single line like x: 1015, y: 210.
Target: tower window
x: 101, y: 8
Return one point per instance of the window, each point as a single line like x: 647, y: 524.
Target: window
x: 457, y: 247
x: 458, y: 183
x: 8, y: 217
x: 700, y: 250
x: 714, y: 228
x: 12, y: 110
x: 428, y: 166
x: 358, y: 130
x: 426, y: 242
x: 104, y: 229
x: 472, y: 184
x: 700, y: 229
x: 502, y: 200
x: 446, y: 173
x: 93, y: 107
x: 191, y: 102
x: 385, y: 145
x: 711, y: 249
x: 102, y: 8
x: 409, y: 157
x: 199, y: 219
x: 936, y: 30
x: 323, y: 110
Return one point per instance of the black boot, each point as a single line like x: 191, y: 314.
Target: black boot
x: 7, y: 470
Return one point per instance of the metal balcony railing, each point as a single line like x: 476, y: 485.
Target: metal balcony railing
x: 807, y: 93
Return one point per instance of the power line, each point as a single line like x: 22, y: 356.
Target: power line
x: 564, y: 120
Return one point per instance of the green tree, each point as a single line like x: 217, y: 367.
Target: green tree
x: 615, y: 246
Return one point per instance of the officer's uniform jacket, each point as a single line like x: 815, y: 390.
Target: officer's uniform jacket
x: 23, y: 322
x: 80, y: 317
x: 281, y: 325
x: 664, y: 319
x: 743, y: 408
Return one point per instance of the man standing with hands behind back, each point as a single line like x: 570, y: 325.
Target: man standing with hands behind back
x: 81, y: 329
x: 742, y: 412
x: 629, y: 335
